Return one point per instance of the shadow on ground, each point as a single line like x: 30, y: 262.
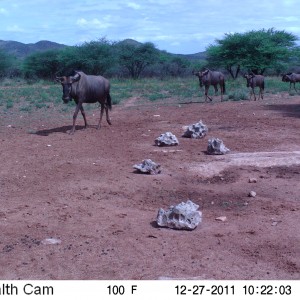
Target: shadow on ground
x: 62, y: 129
x: 288, y: 110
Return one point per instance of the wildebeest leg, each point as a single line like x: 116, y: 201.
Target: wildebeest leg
x: 216, y: 89
x: 74, y: 118
x: 107, y: 115
x: 261, y: 91
x: 103, y: 106
x: 295, y: 87
x: 253, y: 94
x: 101, y: 115
x: 206, y: 94
x: 83, y: 115
x: 222, y: 91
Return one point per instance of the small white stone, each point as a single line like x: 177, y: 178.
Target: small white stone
x: 252, y: 180
x: 223, y: 219
x: 51, y: 241
x: 252, y: 194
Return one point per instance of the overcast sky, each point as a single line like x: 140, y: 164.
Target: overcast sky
x: 177, y: 26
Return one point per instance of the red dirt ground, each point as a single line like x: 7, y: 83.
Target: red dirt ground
x: 83, y: 191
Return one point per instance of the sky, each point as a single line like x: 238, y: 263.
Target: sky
x: 177, y: 26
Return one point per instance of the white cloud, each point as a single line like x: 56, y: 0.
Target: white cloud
x: 133, y: 5
x: 95, y: 23
x: 289, y: 2
x: 14, y: 28
x: 82, y: 22
x: 3, y: 11
x: 288, y: 19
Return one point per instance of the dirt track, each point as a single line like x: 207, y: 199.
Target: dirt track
x: 82, y: 191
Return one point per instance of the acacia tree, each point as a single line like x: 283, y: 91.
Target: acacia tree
x: 136, y: 57
x: 95, y: 57
x: 254, y: 51
x: 41, y: 64
x: 6, y: 62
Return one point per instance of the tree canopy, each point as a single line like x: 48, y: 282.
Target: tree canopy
x: 6, y: 62
x: 135, y: 58
x: 253, y: 51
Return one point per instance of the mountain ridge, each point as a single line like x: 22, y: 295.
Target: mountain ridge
x: 22, y: 50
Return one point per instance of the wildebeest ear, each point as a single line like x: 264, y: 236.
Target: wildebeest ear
x: 76, y: 77
x: 205, y: 72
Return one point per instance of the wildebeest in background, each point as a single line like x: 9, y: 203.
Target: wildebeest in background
x: 255, y: 81
x: 86, y: 89
x: 292, y: 78
x: 208, y: 78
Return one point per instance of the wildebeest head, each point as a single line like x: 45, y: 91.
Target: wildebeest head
x: 249, y: 78
x: 286, y: 77
x: 66, y: 82
x: 200, y: 75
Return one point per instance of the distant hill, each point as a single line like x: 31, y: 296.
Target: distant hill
x: 21, y: 50
x: 196, y: 56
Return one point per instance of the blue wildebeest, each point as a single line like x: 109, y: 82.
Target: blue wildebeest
x: 255, y: 81
x: 292, y: 78
x: 86, y: 89
x: 214, y: 78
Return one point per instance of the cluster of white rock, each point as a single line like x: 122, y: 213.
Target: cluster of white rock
x: 183, y: 215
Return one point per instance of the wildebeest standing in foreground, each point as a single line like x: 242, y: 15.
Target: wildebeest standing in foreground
x: 291, y: 78
x: 208, y: 78
x: 255, y: 81
x: 86, y: 89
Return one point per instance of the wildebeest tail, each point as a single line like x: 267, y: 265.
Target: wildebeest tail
x: 109, y: 104
x: 224, y: 89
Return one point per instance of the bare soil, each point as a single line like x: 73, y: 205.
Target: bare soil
x: 72, y: 206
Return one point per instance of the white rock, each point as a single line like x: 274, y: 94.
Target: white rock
x: 223, y: 219
x: 148, y: 166
x: 216, y: 147
x: 181, y: 216
x: 252, y: 180
x: 252, y: 194
x: 196, y: 131
x: 166, y: 139
x: 51, y: 241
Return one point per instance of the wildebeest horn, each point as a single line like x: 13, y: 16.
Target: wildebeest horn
x: 205, y: 72
x: 76, y: 77
x: 58, y: 79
